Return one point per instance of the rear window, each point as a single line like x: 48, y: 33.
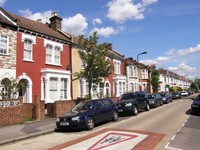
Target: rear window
x: 127, y: 96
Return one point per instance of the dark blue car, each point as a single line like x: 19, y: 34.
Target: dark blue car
x: 155, y: 100
x: 88, y: 113
x: 195, y: 106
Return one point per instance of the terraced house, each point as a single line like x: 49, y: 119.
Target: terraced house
x: 8, y: 50
x: 38, y: 55
x: 112, y: 86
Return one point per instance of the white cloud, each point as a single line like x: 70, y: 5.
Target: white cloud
x: 2, y: 2
x: 96, y: 21
x: 123, y: 10
x: 76, y: 25
x: 44, y: 16
x: 183, y: 68
x: 189, y: 50
x: 162, y: 58
x: 148, y: 2
x: 171, y: 52
x: 105, y: 32
x: 149, y: 62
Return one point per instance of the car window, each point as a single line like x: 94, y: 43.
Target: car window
x: 197, y: 98
x: 107, y: 103
x: 98, y: 104
x: 128, y: 96
x: 83, y: 106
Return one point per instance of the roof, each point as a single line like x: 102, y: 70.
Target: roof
x: 34, y: 26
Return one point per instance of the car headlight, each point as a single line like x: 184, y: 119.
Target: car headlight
x: 58, y: 119
x: 75, y: 118
x: 164, y: 99
x: 128, y: 104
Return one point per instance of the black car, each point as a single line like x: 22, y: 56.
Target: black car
x: 88, y: 113
x: 133, y: 102
x: 166, y: 97
x: 155, y: 100
x: 176, y: 95
x: 195, y: 106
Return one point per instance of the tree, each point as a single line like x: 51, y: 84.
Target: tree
x: 10, y: 88
x: 93, y: 57
x: 193, y: 86
x: 155, y: 80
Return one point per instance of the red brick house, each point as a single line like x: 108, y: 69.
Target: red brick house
x: 116, y: 82
x: 43, y: 58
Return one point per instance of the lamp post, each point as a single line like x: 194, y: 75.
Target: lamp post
x: 138, y: 66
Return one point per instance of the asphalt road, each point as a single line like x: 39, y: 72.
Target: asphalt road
x: 172, y: 120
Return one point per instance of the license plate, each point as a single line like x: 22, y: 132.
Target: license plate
x: 120, y: 110
x: 64, y: 123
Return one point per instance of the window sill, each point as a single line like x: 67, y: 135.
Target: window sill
x: 28, y: 60
x: 53, y: 64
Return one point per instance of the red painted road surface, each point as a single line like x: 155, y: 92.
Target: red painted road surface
x: 113, y: 139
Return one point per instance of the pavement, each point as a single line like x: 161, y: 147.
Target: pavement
x: 17, y: 132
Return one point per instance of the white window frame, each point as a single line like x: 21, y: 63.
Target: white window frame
x: 117, y: 66
x: 63, y: 88
x: 55, y: 53
x: 4, y: 40
x: 28, y: 50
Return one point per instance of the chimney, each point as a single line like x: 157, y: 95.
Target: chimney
x: 55, y: 21
x: 39, y: 20
x: 110, y: 46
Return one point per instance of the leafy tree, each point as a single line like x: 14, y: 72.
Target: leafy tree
x: 155, y: 80
x: 193, y: 86
x: 176, y: 89
x: 10, y: 88
x: 93, y: 57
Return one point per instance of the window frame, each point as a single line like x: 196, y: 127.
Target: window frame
x: 2, y: 35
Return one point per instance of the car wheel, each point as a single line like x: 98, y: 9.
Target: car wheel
x: 148, y: 107
x: 161, y: 103
x: 156, y: 105
x: 89, y: 124
x: 115, y: 116
x: 134, y: 110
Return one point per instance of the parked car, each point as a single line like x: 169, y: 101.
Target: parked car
x: 87, y: 114
x: 184, y: 93
x: 133, y: 102
x: 166, y: 97
x: 195, y: 106
x: 155, y: 100
x: 176, y: 95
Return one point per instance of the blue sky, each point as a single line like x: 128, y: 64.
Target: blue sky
x: 168, y: 30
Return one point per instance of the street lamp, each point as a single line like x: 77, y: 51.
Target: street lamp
x: 138, y: 66
x: 140, y: 54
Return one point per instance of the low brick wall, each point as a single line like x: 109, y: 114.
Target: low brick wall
x: 61, y: 107
x: 28, y: 110
x: 11, y: 112
x: 14, y: 111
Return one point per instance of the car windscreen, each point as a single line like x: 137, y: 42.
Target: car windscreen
x: 150, y: 96
x: 197, y: 98
x: 127, y: 96
x: 82, y: 106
